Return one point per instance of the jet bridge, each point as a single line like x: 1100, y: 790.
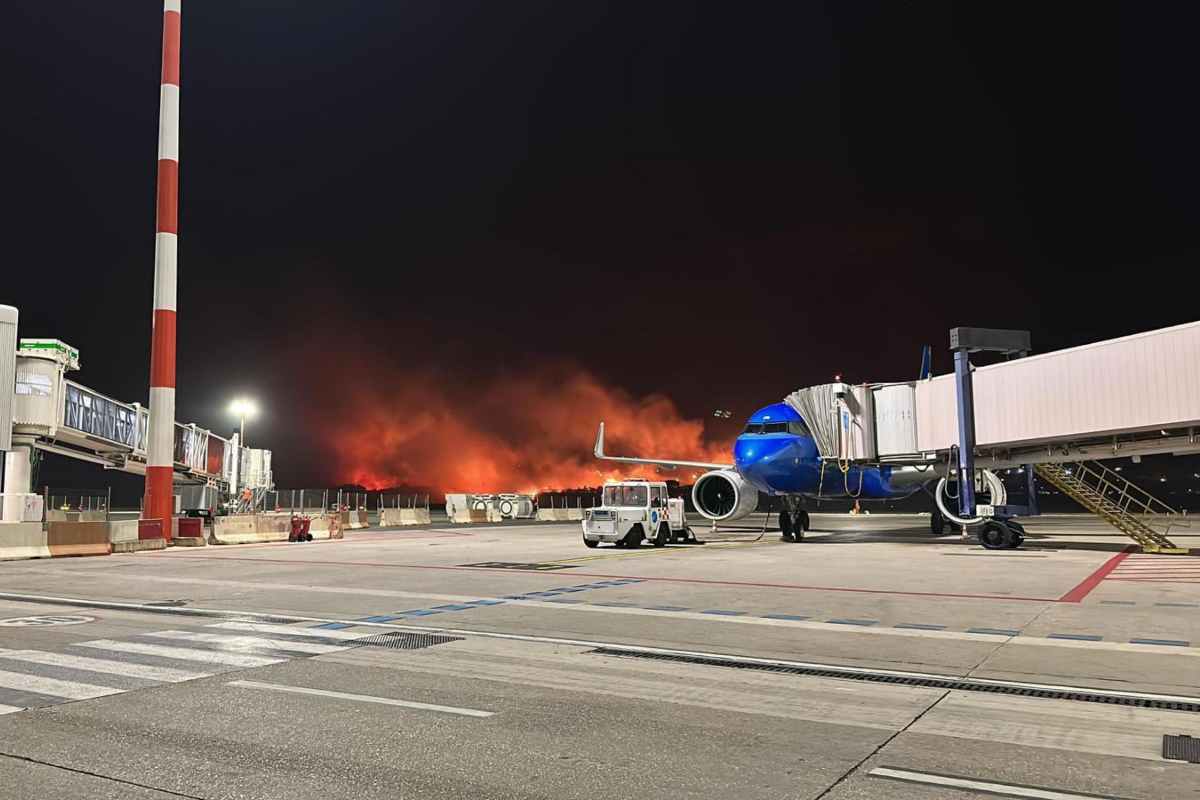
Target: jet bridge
x: 54, y: 414
x: 1135, y: 395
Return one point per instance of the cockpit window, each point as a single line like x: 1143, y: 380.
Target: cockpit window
x: 796, y: 427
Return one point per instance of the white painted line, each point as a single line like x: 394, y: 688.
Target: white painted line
x: 9, y: 709
x: 164, y: 674
x: 238, y: 644
x: 1002, y: 789
x: 362, y: 698
x: 812, y: 625
x: 52, y: 686
x: 320, y: 633
x: 183, y: 653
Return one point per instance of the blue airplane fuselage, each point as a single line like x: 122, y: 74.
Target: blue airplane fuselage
x: 777, y: 455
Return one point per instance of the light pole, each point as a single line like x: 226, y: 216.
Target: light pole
x: 242, y: 408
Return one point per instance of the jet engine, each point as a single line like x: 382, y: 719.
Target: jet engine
x: 723, y: 496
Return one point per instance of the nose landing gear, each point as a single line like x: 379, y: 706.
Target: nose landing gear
x: 1001, y: 535
x: 793, y: 524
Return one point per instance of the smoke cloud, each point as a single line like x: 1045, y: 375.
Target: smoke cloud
x: 527, y: 433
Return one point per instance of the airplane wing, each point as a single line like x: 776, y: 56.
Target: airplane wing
x: 662, y: 462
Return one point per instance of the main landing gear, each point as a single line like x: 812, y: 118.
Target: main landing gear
x: 793, y: 524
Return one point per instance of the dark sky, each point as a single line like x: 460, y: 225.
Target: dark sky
x: 719, y: 201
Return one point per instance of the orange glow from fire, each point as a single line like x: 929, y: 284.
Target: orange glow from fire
x: 527, y: 433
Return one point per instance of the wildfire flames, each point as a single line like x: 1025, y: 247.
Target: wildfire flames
x: 529, y: 433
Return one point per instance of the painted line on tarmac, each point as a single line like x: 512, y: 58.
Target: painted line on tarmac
x: 647, y: 578
x: 988, y: 787
x: 361, y: 698
x: 244, y: 616
x: 1085, y: 587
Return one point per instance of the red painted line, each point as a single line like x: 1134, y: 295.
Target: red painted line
x: 1089, y: 583
x: 560, y: 573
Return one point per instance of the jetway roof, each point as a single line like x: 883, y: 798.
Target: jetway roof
x: 1137, y: 383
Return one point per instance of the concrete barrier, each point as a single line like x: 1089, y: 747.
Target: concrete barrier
x: 125, y: 536
x: 357, y: 520
x: 545, y: 514
x: 574, y: 514
x: 22, y: 540
x: 78, y: 539
x: 390, y: 517
x: 238, y: 529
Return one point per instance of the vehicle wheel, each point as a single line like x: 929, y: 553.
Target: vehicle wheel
x: 663, y: 537
x: 801, y: 525
x: 633, y: 539
x: 589, y: 543
x: 785, y: 526
x: 997, y: 536
x: 937, y: 523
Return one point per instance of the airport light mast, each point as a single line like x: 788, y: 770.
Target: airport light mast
x: 160, y: 446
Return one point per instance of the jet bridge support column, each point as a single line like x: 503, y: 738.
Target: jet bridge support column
x: 966, y: 433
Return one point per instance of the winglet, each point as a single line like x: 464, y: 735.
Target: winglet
x: 598, y: 450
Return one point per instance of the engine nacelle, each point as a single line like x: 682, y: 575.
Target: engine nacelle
x: 723, y: 495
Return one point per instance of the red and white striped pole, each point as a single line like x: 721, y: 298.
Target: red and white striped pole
x: 160, y: 449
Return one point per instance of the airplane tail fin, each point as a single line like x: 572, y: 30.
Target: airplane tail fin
x: 926, y: 363
x: 598, y: 450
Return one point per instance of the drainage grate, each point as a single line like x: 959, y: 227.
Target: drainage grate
x: 403, y: 640
x: 1181, y: 748
x: 924, y: 681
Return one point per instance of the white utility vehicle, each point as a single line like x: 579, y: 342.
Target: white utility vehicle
x: 633, y: 510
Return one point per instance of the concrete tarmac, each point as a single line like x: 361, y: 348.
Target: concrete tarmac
x: 257, y: 671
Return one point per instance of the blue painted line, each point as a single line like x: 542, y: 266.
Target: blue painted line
x: 380, y: 618
x: 722, y: 612
x: 486, y: 603
x: 784, y: 616
x: 453, y: 607
x: 1178, y: 605
x: 919, y: 626
x: 1082, y: 637
x: 863, y: 622
x: 334, y: 626
x: 569, y: 589
x: 1169, y: 642
x: 684, y: 608
x: 617, y: 605
x: 417, y: 612
x: 994, y: 631
x: 514, y: 597
x: 564, y: 600
x: 1118, y: 602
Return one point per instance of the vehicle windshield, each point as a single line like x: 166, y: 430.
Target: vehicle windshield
x: 626, y: 496
x: 795, y: 427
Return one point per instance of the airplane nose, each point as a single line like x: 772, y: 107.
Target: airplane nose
x: 755, y: 453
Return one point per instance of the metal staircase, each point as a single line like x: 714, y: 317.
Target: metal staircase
x: 248, y: 506
x: 1135, y: 512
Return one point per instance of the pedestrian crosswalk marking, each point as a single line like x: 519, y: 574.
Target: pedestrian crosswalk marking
x: 320, y: 633
x: 162, y: 674
x: 242, y: 643
x: 184, y: 653
x: 39, y: 684
x: 194, y: 654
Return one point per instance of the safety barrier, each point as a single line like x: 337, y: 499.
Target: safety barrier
x: 22, y: 540
x: 390, y: 517
x: 78, y: 539
x: 575, y: 514
x: 125, y: 536
x: 241, y: 529
x: 353, y: 520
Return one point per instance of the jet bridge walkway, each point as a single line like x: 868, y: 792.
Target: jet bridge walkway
x: 1057, y: 412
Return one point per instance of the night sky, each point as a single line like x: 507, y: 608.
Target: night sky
x: 439, y: 229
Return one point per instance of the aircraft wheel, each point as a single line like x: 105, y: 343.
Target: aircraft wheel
x: 589, y: 542
x: 998, y: 536
x: 802, y: 524
x: 937, y: 523
x: 785, y: 526
x: 663, y: 537
x: 633, y: 539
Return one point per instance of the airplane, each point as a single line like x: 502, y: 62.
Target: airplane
x: 776, y: 454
